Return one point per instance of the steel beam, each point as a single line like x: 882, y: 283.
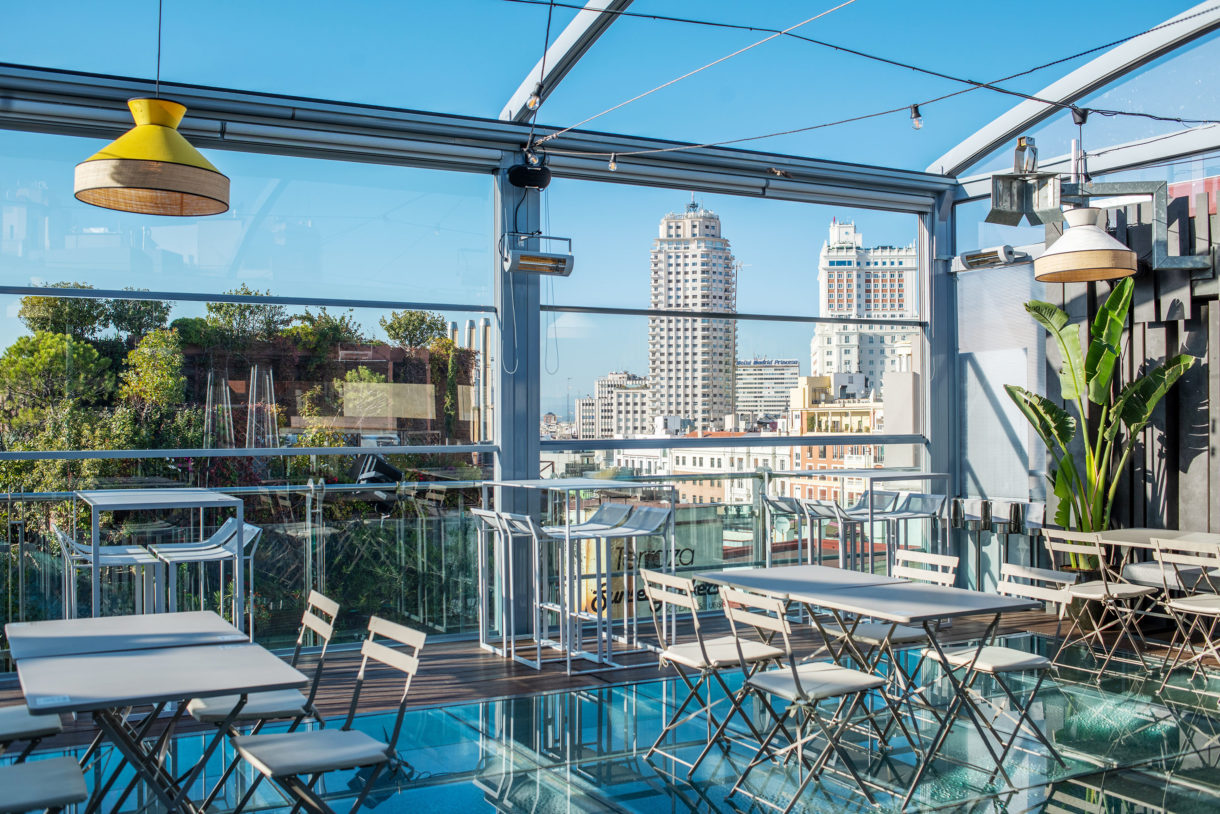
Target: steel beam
x: 1114, y: 64
x: 1116, y: 158
x: 562, y: 55
x: 94, y: 106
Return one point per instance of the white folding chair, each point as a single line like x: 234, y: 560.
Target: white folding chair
x: 607, y: 516
x: 802, y: 687
x: 261, y: 707
x: 17, y: 724
x: 47, y: 784
x: 704, y: 657
x: 1190, y: 568
x: 998, y: 661
x: 1117, y: 599
x: 290, y: 757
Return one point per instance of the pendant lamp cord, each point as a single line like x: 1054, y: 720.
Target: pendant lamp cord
x: 157, y: 92
x: 546, y: 42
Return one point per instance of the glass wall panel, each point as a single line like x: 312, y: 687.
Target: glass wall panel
x: 101, y: 374
x: 626, y: 376
x: 296, y: 227
x: 1000, y: 344
x: 641, y: 247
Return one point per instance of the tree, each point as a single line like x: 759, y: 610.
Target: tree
x: 154, y: 377
x: 135, y: 318
x: 414, y: 329
x: 316, y: 334
x: 41, y: 371
x: 78, y: 317
x: 241, y: 323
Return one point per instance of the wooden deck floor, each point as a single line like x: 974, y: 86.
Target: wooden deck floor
x: 456, y: 672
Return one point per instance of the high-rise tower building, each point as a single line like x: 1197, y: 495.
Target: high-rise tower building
x: 881, y: 282
x: 691, y: 359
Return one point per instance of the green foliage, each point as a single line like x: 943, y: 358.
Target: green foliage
x: 77, y: 317
x: 239, y: 324
x: 136, y: 318
x: 1086, y: 488
x: 323, y: 331
x: 414, y: 329
x: 39, y: 371
x: 153, y: 376
x: 194, y: 331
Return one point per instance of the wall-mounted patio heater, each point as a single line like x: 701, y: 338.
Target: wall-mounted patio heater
x: 1026, y: 193
x: 533, y: 261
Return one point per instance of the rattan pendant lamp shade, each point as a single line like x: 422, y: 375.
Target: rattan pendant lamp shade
x: 1085, y: 252
x: 152, y: 169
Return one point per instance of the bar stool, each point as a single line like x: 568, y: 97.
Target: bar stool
x: 973, y: 515
x: 782, y: 507
x: 78, y: 556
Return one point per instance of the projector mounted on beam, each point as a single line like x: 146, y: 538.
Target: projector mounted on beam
x: 532, y: 261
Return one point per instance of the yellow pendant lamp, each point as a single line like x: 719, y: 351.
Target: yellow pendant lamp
x: 152, y: 169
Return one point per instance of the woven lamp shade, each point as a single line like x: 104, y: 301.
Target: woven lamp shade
x: 152, y: 169
x: 1085, y: 252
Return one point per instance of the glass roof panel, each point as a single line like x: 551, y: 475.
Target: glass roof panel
x: 1178, y: 85
x: 468, y: 56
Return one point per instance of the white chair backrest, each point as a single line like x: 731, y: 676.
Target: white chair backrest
x: 1035, y: 583
x: 782, y: 505
x: 1195, y: 564
x: 223, y: 535
x: 765, y: 615
x: 646, y: 521
x: 316, y: 604
x: 1078, y: 549
x: 941, y: 569
x: 819, y: 509
x: 668, y: 590
x: 610, y: 514
x: 406, y: 660
x: 490, y: 520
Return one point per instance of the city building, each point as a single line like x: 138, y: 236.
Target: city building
x: 763, y: 386
x: 691, y: 359
x: 619, y: 407
x: 881, y: 282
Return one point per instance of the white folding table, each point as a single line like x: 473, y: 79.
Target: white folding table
x: 105, y: 683
x: 104, y: 634
x: 894, y: 601
x: 111, y: 500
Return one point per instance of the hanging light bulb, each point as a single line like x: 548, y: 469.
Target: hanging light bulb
x: 535, y: 97
x: 916, y: 119
x: 1085, y: 252
x: 613, y: 165
x: 152, y: 169
x: 532, y: 158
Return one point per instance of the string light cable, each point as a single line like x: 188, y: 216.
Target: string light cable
x: 535, y: 100
x: 974, y: 84
x: 689, y: 74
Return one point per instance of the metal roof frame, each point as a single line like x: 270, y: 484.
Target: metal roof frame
x: 1096, y: 74
x: 562, y: 55
x: 94, y: 105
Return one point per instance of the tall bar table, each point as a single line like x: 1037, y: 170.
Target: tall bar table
x: 570, y: 619
x: 111, y: 500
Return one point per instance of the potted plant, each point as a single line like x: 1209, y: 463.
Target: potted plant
x: 1086, y: 481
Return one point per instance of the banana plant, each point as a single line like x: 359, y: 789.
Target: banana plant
x: 1086, y: 485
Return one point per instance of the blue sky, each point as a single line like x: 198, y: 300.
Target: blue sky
x: 411, y: 234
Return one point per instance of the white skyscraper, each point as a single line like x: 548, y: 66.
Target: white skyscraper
x: 691, y: 359
x: 881, y: 282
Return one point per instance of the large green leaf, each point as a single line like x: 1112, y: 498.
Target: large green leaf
x: 1104, y: 349
x: 1054, y: 425
x: 1072, y: 380
x: 1139, y: 399
x: 1063, y: 491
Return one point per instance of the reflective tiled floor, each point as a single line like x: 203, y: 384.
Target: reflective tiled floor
x: 1126, y: 747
